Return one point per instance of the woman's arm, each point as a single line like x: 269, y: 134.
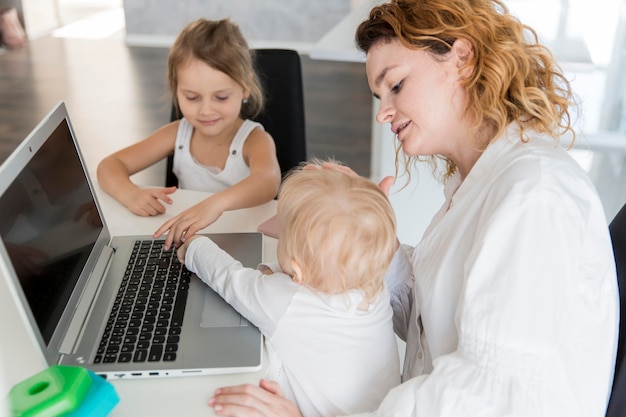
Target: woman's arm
x: 400, y: 280
x: 115, y: 170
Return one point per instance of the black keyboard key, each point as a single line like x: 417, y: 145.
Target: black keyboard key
x: 140, y: 355
x: 143, y: 344
x: 109, y: 358
x: 156, y: 352
x: 128, y: 348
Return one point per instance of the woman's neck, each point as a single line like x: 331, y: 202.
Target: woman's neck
x: 469, y: 154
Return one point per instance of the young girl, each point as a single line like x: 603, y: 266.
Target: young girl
x: 215, y: 147
x: 323, y: 308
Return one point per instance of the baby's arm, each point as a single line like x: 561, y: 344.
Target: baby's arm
x: 261, y: 298
x: 115, y: 170
x: 258, y: 188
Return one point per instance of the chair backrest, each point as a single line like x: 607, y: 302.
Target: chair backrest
x: 617, y: 402
x: 280, y: 71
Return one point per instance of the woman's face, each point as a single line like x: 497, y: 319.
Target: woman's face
x: 421, y: 97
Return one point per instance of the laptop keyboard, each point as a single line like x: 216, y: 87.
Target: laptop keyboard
x: 147, y: 317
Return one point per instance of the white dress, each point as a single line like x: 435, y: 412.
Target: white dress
x: 515, y: 308
x: 194, y: 176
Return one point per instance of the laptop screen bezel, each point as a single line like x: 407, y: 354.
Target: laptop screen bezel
x: 9, y: 171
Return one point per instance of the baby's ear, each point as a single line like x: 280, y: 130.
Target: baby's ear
x: 297, y: 276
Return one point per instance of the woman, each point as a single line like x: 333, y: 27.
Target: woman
x: 513, y: 306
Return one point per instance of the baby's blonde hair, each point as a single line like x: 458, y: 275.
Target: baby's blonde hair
x: 339, y: 228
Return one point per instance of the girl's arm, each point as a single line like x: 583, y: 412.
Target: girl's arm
x: 259, y: 187
x: 115, y: 170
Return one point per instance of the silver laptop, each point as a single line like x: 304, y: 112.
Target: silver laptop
x: 118, y: 305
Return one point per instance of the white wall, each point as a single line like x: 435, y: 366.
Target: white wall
x: 263, y: 23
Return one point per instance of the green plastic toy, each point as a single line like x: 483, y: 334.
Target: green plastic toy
x: 53, y: 392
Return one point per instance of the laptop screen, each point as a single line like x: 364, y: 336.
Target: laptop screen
x: 49, y: 225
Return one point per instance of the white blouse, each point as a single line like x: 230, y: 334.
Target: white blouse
x: 513, y: 310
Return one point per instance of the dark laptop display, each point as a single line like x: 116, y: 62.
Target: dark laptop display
x: 119, y: 305
x: 43, y: 211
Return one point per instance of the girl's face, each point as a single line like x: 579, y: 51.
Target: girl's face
x: 209, y: 99
x: 421, y: 98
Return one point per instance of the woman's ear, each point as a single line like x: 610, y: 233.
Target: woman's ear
x: 297, y: 277
x: 464, y: 51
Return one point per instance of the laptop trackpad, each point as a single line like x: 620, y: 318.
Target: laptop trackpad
x: 218, y: 313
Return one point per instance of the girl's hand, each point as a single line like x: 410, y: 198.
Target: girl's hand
x: 147, y: 201
x: 248, y: 400
x: 188, y: 222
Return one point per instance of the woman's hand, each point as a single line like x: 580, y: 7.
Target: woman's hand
x: 190, y: 221
x: 386, y: 183
x: 147, y: 201
x: 248, y: 400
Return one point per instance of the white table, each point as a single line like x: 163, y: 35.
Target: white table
x: 185, y: 396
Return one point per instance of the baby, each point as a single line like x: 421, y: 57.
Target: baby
x: 323, y: 309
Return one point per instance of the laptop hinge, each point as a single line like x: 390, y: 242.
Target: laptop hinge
x: 86, y: 302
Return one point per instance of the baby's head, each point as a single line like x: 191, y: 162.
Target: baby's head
x: 337, y: 232
x: 221, y: 45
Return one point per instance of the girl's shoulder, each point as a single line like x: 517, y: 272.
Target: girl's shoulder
x: 253, y: 132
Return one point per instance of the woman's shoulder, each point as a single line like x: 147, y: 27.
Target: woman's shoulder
x: 539, y: 170
x: 532, y: 157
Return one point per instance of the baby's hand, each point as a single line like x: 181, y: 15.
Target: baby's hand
x: 182, y: 251
x: 146, y: 201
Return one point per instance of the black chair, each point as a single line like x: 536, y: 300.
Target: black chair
x: 617, y: 401
x: 280, y: 72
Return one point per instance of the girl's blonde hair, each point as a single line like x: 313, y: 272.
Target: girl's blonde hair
x: 340, y: 228
x: 515, y: 78
x: 219, y: 44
